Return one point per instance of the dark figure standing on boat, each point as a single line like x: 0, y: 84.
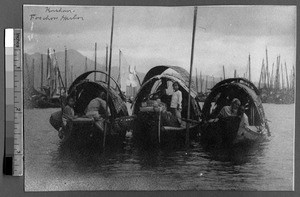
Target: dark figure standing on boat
x: 176, y: 102
x: 67, y: 115
x: 96, y: 109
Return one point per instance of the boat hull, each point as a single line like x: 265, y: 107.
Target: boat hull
x: 148, y: 131
x: 226, y: 132
x: 83, y: 129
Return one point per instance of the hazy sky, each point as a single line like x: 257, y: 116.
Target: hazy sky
x: 150, y: 36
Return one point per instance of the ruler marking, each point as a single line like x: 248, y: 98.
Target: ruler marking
x: 18, y: 106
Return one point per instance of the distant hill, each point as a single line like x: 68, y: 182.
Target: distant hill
x: 75, y: 60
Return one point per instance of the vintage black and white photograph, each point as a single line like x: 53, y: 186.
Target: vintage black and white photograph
x: 145, y: 98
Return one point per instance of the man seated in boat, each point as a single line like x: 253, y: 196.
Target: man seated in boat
x: 231, y: 110
x: 96, y: 109
x: 67, y: 115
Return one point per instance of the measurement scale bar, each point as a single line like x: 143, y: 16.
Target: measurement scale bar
x: 13, y: 162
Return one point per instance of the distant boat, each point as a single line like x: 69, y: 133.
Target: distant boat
x: 49, y: 95
x: 226, y: 131
x: 84, y: 90
x: 154, y: 123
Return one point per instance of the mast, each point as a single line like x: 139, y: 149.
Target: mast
x: 206, y: 84
x: 48, y: 67
x: 190, y: 78
x: 109, y: 72
x: 287, y: 77
x: 119, y: 76
x: 66, y: 69
x: 32, y: 70
x: 197, y: 81
x: 267, y: 69
x: 201, y: 81
x: 272, y: 77
x: 282, y: 79
x: 261, y: 75
x: 95, y: 60
x: 106, y: 62
x: 249, y: 68
x: 277, y: 76
x: 234, y: 73
x: 42, y: 71
x: 223, y: 72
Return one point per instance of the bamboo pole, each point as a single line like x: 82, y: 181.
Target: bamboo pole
x: 106, y: 62
x: 32, y: 74
x: 95, y: 61
x: 282, y: 79
x: 66, y: 69
x: 201, y: 82
x: 197, y: 81
x: 267, y: 69
x: 287, y: 77
x: 48, y: 67
x: 249, y: 68
x: 272, y: 77
x: 190, y: 78
x: 261, y: 75
x: 109, y: 72
x: 120, y: 62
x: 42, y: 71
x: 206, y: 84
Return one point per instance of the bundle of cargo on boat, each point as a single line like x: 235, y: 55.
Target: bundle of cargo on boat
x: 228, y: 131
x: 154, y: 122
x: 83, y: 90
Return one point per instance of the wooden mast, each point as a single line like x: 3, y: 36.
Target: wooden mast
x: 206, y: 84
x: 95, y: 67
x: 272, y: 77
x: 282, y: 79
x: 66, y: 69
x: 197, y: 81
x: 261, y: 75
x: 119, y: 76
x: 42, y: 72
x: 106, y: 62
x: 32, y: 72
x: 267, y: 69
x: 109, y: 72
x: 287, y: 77
x: 190, y: 79
x: 201, y: 82
x: 249, y: 68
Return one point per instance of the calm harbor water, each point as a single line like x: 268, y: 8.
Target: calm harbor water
x: 52, y: 166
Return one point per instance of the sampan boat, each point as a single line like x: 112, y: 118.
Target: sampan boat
x: 227, y: 131
x: 154, y: 123
x: 84, y: 90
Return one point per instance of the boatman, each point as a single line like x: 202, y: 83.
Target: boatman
x: 176, y: 102
x: 231, y: 110
x: 67, y: 115
x: 96, y: 109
